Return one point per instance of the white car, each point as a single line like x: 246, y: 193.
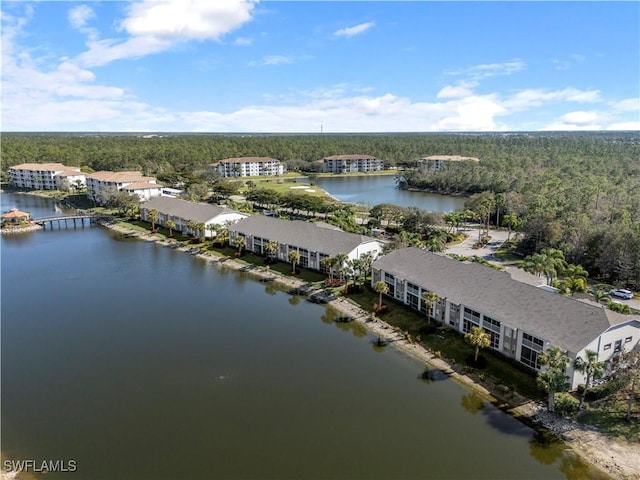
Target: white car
x: 621, y: 293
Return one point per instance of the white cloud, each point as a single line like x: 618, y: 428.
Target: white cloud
x: 478, y: 72
x: 353, y: 31
x: 566, y: 64
x: 243, y: 41
x: 628, y: 105
x: 79, y: 15
x: 579, y: 120
x: 187, y: 19
x: 579, y: 117
x: 633, y: 125
x: 463, y: 89
x: 157, y: 25
x: 271, y: 60
x: 536, y: 97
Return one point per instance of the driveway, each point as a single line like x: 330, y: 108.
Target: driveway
x: 498, y: 237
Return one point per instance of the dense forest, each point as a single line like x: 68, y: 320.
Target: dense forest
x: 576, y: 192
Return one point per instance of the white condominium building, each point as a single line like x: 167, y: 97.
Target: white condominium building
x: 249, y: 167
x: 46, y: 176
x: 101, y: 184
x: 352, y: 163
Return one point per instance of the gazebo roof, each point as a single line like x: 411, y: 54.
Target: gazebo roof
x: 14, y: 213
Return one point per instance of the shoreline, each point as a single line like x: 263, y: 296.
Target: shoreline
x: 612, y: 457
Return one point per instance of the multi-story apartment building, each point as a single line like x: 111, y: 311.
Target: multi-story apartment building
x: 351, y: 163
x: 521, y: 320
x: 249, y: 167
x: 101, y: 184
x: 46, y: 176
x: 436, y: 162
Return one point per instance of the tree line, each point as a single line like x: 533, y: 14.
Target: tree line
x: 575, y: 192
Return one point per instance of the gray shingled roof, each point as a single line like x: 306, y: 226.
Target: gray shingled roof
x: 198, y: 212
x: 301, y: 234
x: 565, y: 322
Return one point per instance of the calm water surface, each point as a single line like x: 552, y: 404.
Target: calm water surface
x: 138, y: 361
x: 372, y: 190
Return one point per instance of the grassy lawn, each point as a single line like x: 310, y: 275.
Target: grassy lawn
x: 281, y: 186
x: 450, y: 344
x: 609, y: 416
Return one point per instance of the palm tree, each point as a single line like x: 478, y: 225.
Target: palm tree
x: 499, y: 202
x: 600, y: 296
x: 478, y: 338
x: 437, y: 241
x: 271, y: 248
x: 222, y: 235
x: 430, y: 299
x: 380, y: 287
x: 326, y: 263
x: 171, y: 225
x: 573, y: 285
x: 554, y: 263
x: 200, y: 228
x: 294, y: 258
x: 554, y: 378
x: 575, y: 278
x: 152, y: 216
x: 591, y: 367
x: 240, y: 242
x: 534, y: 264
x: 341, y: 260
x: 512, y: 223
x: 191, y: 225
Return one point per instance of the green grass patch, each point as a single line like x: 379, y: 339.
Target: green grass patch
x: 450, y: 344
x: 282, y: 186
x: 609, y: 417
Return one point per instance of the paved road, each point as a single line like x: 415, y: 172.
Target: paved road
x: 498, y: 237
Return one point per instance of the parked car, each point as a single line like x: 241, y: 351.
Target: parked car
x: 621, y: 293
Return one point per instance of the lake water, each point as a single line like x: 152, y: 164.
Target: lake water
x: 375, y: 189
x: 140, y: 362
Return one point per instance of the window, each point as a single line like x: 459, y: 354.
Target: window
x: 627, y: 340
x: 413, y: 300
x: 411, y: 288
x: 531, y: 346
x: 471, y: 318
x: 391, y: 284
x: 607, y: 346
x: 618, y: 346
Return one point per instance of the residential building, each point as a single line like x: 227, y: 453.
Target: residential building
x: 436, y: 162
x: 522, y: 320
x: 102, y: 184
x: 249, y: 167
x: 182, y: 212
x: 311, y: 241
x: 43, y: 176
x: 351, y: 163
x: 144, y: 190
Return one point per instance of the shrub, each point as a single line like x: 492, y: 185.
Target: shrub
x: 605, y: 389
x: 566, y: 404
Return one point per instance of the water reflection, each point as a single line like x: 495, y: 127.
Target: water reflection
x: 294, y: 300
x: 472, y: 402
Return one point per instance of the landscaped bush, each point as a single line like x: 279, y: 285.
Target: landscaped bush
x: 566, y: 404
x: 605, y: 389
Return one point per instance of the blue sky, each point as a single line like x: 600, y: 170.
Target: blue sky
x: 361, y: 66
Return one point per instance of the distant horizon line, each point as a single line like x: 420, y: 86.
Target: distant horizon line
x: 186, y: 132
